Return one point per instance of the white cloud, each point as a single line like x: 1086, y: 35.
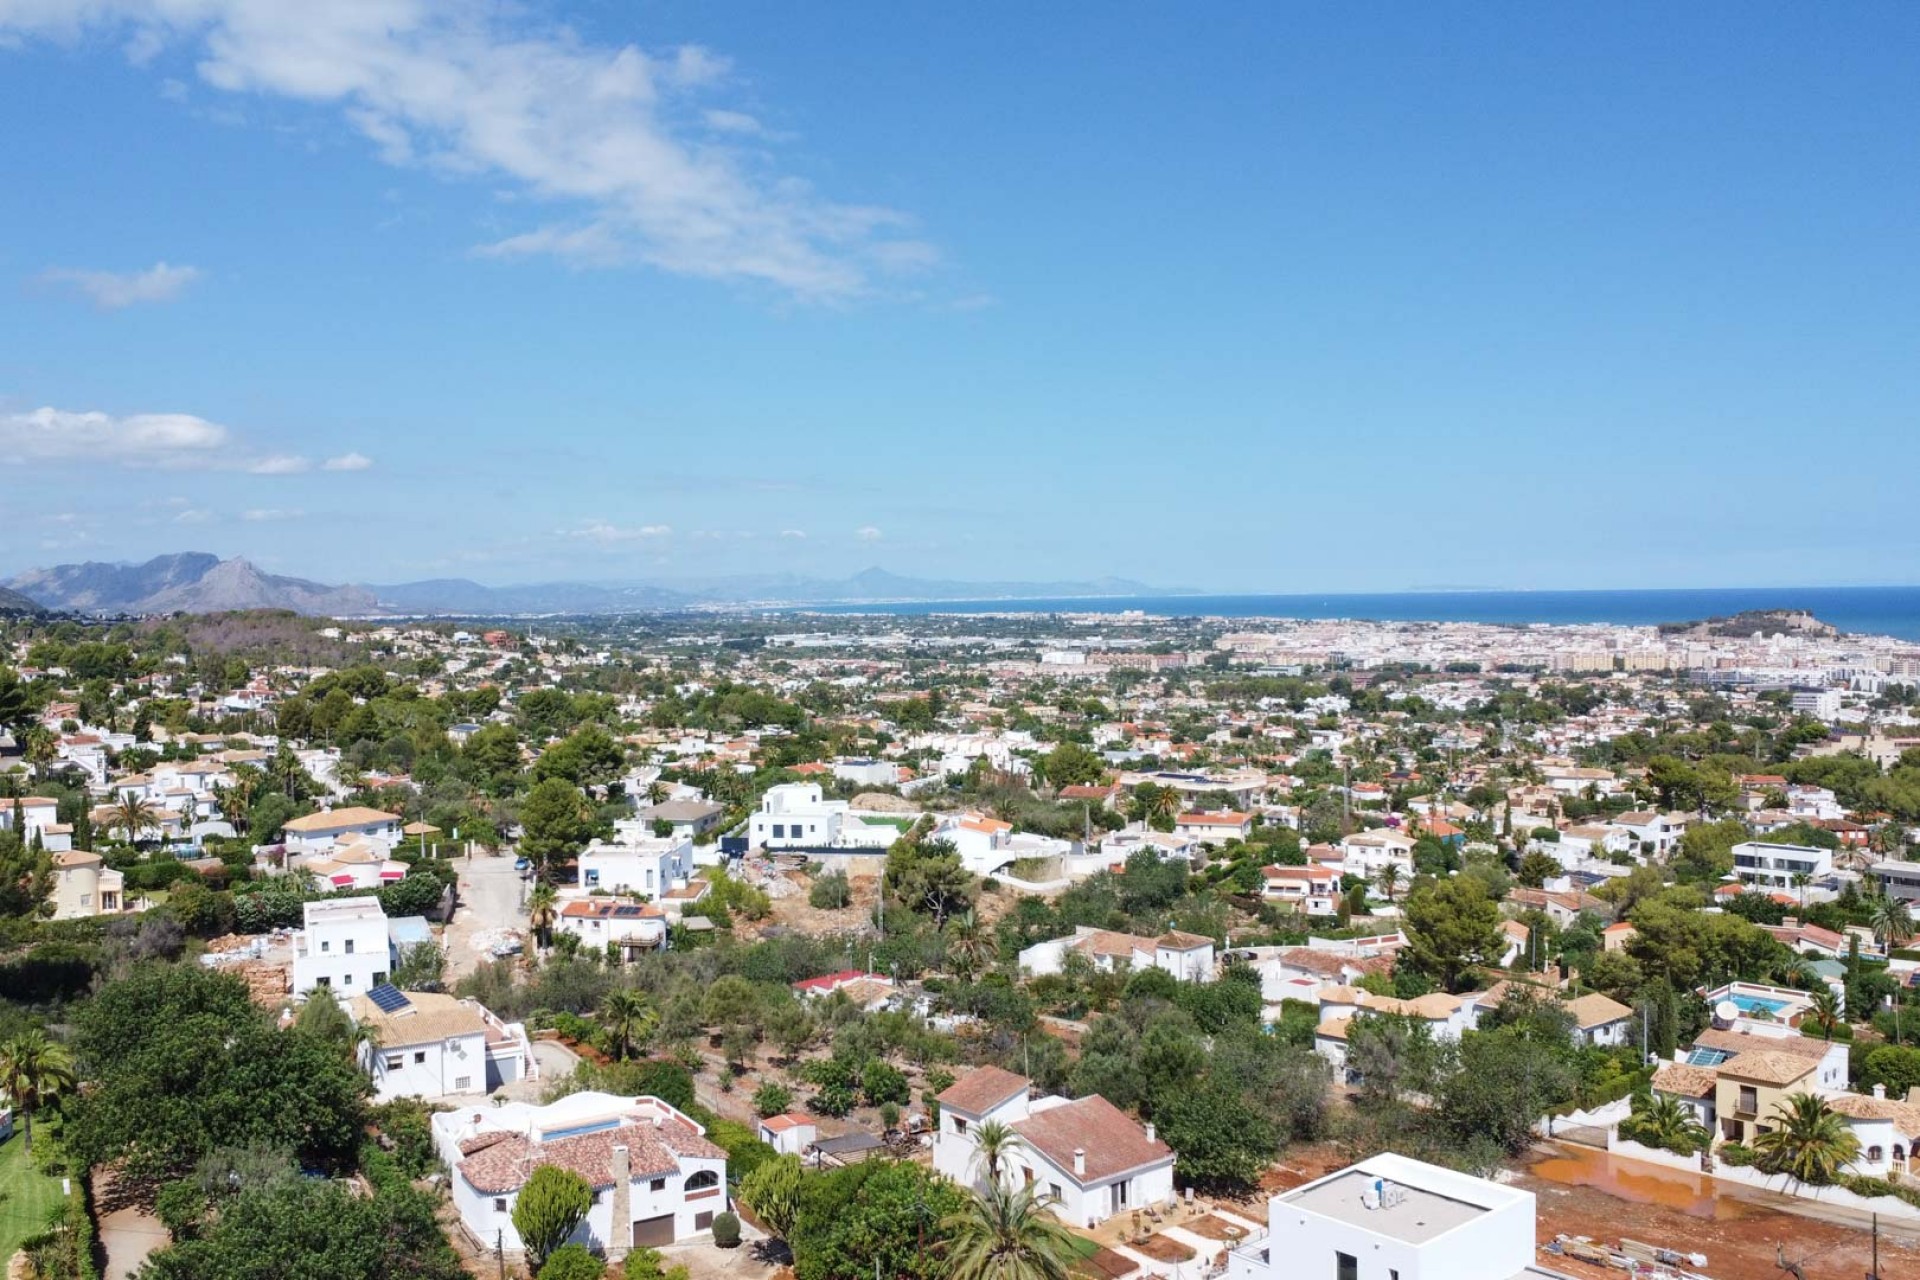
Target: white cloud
x: 608, y: 534
x: 793, y: 533
x: 193, y: 515
x: 347, y: 462
x: 279, y: 464
x: 867, y: 533
x: 113, y: 290
x: 261, y: 514
x: 611, y: 139
x: 141, y: 440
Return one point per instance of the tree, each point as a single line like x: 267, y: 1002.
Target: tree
x: 543, y: 907
x: 629, y: 1018
x: 1506, y: 1081
x: 1824, y: 1010
x: 772, y: 1192
x: 16, y: 707
x: 314, y: 1229
x: 1659, y: 1120
x: 1451, y: 925
x: 1895, y: 1066
x: 993, y: 1142
x: 876, y: 1215
x: 555, y: 824
x: 26, y: 876
x: 34, y: 1070
x: 1071, y: 764
x: 551, y: 1206
x: 134, y: 816
x: 1536, y: 869
x: 970, y: 946
x: 771, y: 1099
x: 1892, y: 921
x: 1003, y: 1233
x: 1388, y: 878
x: 1809, y: 1142
x: 1218, y: 1140
x: 927, y: 876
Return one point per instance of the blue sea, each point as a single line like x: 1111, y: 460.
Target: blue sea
x: 1886, y: 611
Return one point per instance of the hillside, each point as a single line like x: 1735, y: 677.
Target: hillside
x: 192, y: 582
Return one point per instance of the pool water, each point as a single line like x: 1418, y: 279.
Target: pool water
x: 1758, y: 1004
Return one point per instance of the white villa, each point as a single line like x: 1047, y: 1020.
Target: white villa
x: 435, y: 1046
x: 1091, y: 1159
x: 344, y: 945
x: 1186, y: 956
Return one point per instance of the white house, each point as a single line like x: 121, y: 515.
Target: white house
x: 1657, y: 833
x: 1186, y: 956
x: 1776, y: 865
x: 797, y: 815
x: 1314, y: 891
x: 656, y: 1177
x: 1214, y: 828
x: 344, y: 945
x: 1089, y: 1158
x: 319, y: 832
x: 867, y: 773
x: 1364, y: 853
x: 790, y: 1134
x: 434, y: 1046
x: 1393, y: 1218
x: 635, y: 862
x: 988, y: 845
x: 1446, y: 1017
x: 631, y: 926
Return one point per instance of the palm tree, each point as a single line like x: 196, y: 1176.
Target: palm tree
x: 1825, y: 1010
x: 656, y: 792
x: 969, y: 946
x: 1667, y: 1123
x: 1388, y: 878
x: 1809, y: 1141
x: 33, y: 1071
x: 1005, y: 1234
x: 629, y: 1018
x: 993, y: 1142
x: 1800, y: 881
x: 1892, y: 921
x: 542, y: 907
x: 133, y: 815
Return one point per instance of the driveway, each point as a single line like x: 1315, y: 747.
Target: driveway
x: 128, y: 1236
x: 490, y: 906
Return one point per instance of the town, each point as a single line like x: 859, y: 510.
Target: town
x: 770, y: 943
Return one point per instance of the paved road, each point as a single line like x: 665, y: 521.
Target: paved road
x: 490, y: 893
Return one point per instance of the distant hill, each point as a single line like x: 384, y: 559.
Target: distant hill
x: 1754, y: 622
x: 12, y: 602
x: 196, y: 582
x: 193, y: 582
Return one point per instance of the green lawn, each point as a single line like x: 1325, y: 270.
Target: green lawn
x: 27, y: 1196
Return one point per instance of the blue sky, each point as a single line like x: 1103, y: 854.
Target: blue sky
x: 1261, y: 297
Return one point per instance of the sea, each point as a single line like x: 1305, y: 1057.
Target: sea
x: 1881, y: 611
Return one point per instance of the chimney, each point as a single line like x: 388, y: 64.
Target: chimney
x: 1079, y: 1162
x: 1879, y: 1091
x: 620, y: 1229
x: 1150, y: 1132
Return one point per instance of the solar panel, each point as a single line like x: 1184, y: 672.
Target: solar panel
x: 388, y: 998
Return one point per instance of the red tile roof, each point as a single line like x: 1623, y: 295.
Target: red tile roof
x: 982, y: 1089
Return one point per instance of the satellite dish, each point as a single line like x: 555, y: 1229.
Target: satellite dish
x: 1726, y: 1011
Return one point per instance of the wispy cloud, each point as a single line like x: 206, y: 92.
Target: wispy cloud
x: 607, y: 533
x: 793, y: 533
x: 259, y: 515
x: 347, y: 462
x: 112, y: 290
x: 193, y: 515
x: 624, y: 145
x: 280, y: 464
x: 867, y: 533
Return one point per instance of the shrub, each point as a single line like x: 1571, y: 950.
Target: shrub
x: 830, y: 892
x: 572, y: 1262
x: 726, y: 1232
x: 1735, y: 1154
x: 771, y: 1099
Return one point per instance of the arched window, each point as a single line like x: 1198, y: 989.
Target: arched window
x: 1874, y: 1154
x: 702, y: 1180
x: 1899, y: 1152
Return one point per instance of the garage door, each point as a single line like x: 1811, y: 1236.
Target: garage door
x: 653, y: 1231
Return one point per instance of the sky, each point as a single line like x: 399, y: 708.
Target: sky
x: 1261, y: 297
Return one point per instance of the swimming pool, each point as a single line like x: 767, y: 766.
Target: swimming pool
x: 1758, y: 1004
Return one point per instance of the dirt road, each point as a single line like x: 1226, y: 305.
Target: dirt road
x: 1583, y: 1192
x: 490, y: 903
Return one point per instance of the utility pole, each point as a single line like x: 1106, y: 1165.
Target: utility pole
x: 500, y: 1251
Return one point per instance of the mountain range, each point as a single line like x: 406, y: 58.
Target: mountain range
x: 197, y: 582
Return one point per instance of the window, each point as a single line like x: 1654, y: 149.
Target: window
x: 702, y: 1221
x: 702, y: 1180
x: 86, y: 899
x: 499, y: 1204
x: 1749, y: 1100
x: 462, y: 1083
x: 349, y: 946
x: 379, y: 978
x: 323, y: 982
x: 959, y: 1124
x: 325, y: 945
x: 1053, y: 1189
x: 658, y: 1184
x: 1345, y: 1266
x: 419, y: 1055
x: 394, y: 1061
x: 779, y: 831
x: 346, y: 979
